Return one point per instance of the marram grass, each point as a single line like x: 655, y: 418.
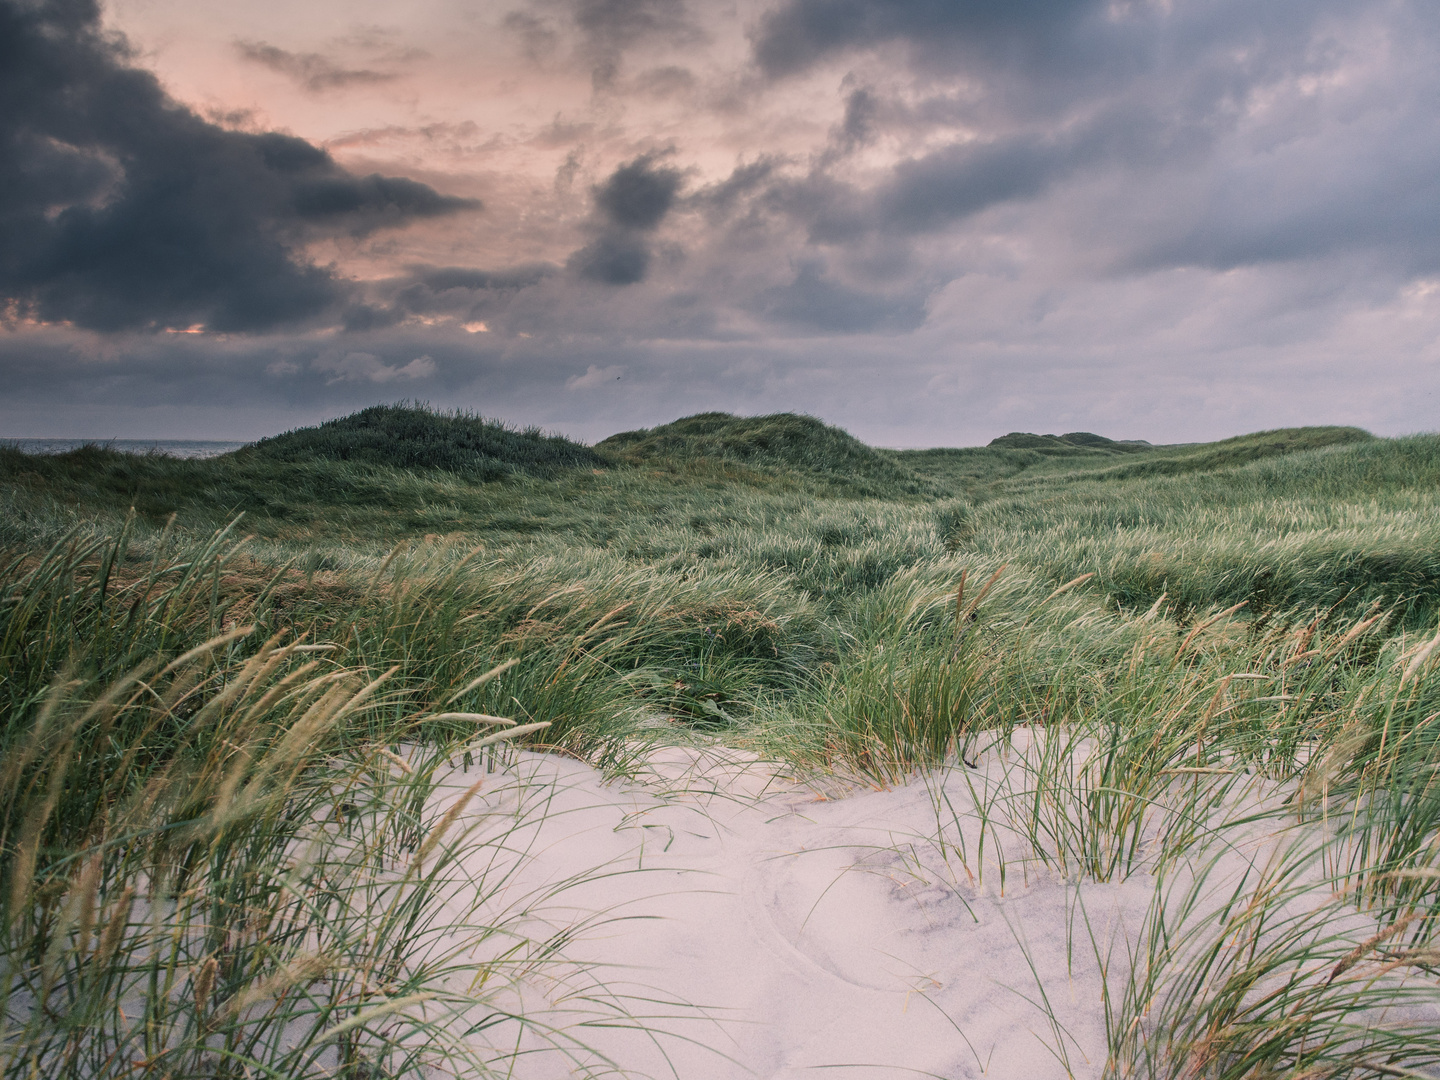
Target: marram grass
x: 223, y: 862
x: 217, y: 752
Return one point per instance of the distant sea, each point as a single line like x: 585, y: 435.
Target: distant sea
x: 180, y: 448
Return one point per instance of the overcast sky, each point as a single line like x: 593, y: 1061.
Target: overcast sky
x: 928, y: 221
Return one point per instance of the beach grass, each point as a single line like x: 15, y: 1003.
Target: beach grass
x: 1143, y: 661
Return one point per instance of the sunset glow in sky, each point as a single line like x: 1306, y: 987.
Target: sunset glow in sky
x: 928, y: 221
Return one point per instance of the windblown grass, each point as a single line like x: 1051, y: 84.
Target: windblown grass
x: 223, y: 855
x: 1211, y: 668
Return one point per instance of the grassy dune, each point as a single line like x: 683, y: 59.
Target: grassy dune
x: 187, y: 697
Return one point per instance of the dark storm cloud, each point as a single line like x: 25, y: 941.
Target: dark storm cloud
x: 800, y: 32
x: 633, y: 201
x: 965, y: 206
x: 120, y: 209
x: 362, y: 204
x: 954, y: 183
x: 613, y: 258
x: 1231, y: 134
x: 638, y: 195
x: 916, y: 195
x: 314, y: 71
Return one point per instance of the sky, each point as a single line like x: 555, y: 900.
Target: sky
x: 928, y: 221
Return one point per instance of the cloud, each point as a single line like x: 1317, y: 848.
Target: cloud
x: 746, y: 180
x: 447, y: 278
x: 954, y: 216
x: 438, y: 133
x: 121, y: 209
x: 439, y: 294
x: 1211, y: 133
x: 800, y: 33
x: 609, y: 27
x: 859, y: 125
x: 366, y: 367
x: 631, y: 202
x: 595, y: 376
x: 816, y: 300
x: 362, y: 204
x: 952, y: 183
x: 638, y: 195
x: 617, y: 23
x: 314, y: 71
x: 537, y: 36
x: 668, y: 80
x: 613, y: 258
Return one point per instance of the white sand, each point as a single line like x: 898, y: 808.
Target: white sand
x: 757, y: 929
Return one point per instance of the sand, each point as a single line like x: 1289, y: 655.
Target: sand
x: 754, y: 926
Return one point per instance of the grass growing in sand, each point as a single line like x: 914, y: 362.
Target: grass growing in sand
x: 1212, y: 665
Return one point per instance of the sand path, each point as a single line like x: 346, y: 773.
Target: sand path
x: 758, y: 928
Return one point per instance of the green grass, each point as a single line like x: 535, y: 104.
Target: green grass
x: 417, y: 437
x: 1074, y: 443
x: 1173, y: 646
x: 818, y: 454
x: 212, y: 864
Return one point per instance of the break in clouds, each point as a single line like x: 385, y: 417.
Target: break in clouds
x: 928, y: 220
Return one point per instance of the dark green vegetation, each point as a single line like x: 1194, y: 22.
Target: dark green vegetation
x: 1294, y: 519
x: 812, y: 452
x: 1069, y: 444
x: 417, y: 438
x: 178, y: 704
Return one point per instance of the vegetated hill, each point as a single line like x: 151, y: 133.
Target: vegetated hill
x: 1074, y: 442
x: 1059, y: 459
x: 1240, y: 450
x: 412, y: 436
x: 969, y: 468
x: 787, y: 442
